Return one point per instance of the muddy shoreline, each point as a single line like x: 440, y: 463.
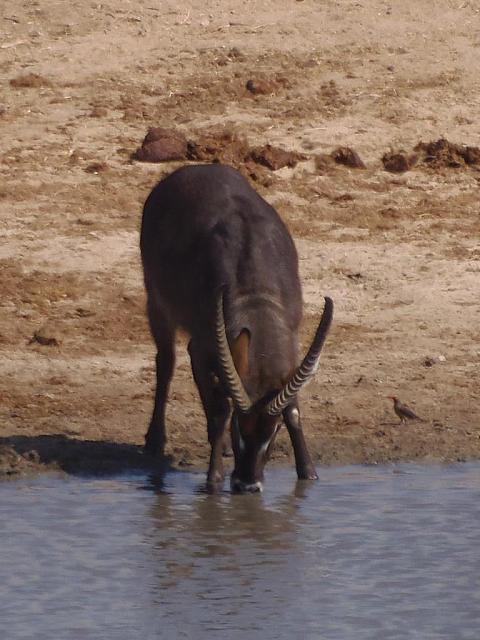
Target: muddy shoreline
x: 364, y: 140
x: 22, y: 456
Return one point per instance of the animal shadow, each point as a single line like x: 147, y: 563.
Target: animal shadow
x: 74, y: 456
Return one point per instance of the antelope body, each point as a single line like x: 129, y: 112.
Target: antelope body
x: 219, y: 263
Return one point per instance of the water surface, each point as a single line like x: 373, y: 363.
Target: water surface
x: 365, y: 553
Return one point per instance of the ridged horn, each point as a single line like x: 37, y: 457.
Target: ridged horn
x: 308, y: 367
x: 231, y: 378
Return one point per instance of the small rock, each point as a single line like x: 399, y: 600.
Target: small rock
x: 260, y: 87
x: 429, y: 361
x: 235, y: 54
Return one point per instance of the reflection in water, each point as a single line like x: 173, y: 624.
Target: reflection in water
x: 365, y: 553
x: 228, y: 553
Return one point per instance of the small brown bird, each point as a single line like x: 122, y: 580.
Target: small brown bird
x: 402, y: 411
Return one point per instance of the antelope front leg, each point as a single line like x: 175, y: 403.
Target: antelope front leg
x: 217, y: 411
x: 217, y: 421
x: 303, y: 461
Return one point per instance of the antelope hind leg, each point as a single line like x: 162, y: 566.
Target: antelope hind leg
x: 155, y: 438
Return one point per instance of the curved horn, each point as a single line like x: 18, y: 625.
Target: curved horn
x: 231, y: 378
x: 308, y: 367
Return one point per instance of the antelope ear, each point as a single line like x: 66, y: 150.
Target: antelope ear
x: 239, y: 350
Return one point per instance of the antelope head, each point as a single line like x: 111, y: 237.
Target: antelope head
x: 255, y: 424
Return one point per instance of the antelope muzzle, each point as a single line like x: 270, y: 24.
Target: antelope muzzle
x: 253, y: 436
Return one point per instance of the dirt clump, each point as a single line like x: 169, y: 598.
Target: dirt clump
x: 230, y: 148
x: 234, y: 53
x: 329, y: 94
x: 274, y: 158
x: 96, y: 167
x: 472, y: 155
x: 267, y: 85
x: 13, y: 463
x: 348, y: 157
x: 98, y: 112
x: 324, y: 163
x: 162, y: 145
x: 40, y: 338
x: 443, y: 154
x: 224, y: 145
x: 30, y: 80
x: 399, y: 161
x: 219, y: 146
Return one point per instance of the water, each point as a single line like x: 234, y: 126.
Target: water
x: 365, y: 553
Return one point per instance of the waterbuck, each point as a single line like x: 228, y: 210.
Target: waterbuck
x: 219, y: 263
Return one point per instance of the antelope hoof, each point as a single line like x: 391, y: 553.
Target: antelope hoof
x: 227, y: 451
x: 215, y: 478
x: 308, y: 475
x: 153, y: 447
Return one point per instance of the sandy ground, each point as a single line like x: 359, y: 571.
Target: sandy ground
x: 398, y: 252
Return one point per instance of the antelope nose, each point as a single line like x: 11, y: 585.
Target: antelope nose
x: 238, y: 486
